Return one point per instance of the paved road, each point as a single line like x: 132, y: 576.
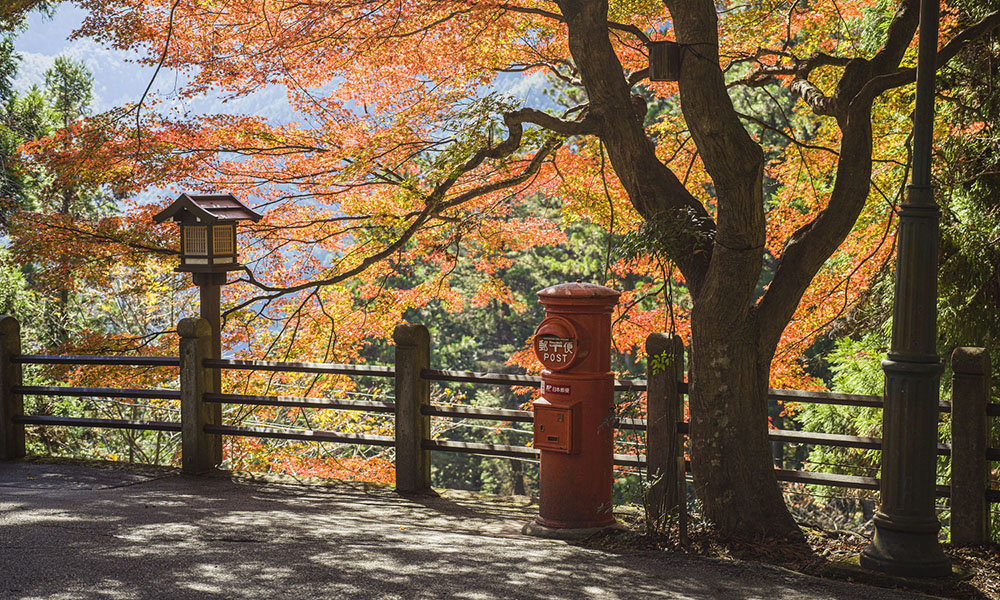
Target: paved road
x: 71, y: 531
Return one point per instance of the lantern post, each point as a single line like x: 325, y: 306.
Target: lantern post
x: 208, y: 251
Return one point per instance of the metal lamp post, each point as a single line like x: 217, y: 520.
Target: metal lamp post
x: 906, y: 525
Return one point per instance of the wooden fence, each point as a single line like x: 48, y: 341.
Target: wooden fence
x: 201, y: 425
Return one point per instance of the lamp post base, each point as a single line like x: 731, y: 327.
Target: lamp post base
x: 907, y: 550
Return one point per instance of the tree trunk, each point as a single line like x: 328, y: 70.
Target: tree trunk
x: 730, y: 454
x: 720, y: 258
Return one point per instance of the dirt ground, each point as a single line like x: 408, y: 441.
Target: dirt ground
x: 825, y: 554
x: 73, y: 531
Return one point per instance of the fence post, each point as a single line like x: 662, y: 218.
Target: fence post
x: 413, y: 462
x: 778, y: 448
x: 11, y: 404
x: 970, y: 393
x: 200, y: 451
x: 664, y: 409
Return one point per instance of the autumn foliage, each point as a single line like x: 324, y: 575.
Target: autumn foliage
x: 392, y: 104
x: 407, y: 152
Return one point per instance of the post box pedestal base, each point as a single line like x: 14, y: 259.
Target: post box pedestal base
x: 535, y: 529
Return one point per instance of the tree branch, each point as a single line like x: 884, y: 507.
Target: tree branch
x: 947, y: 52
x: 800, y: 68
x: 585, y: 126
x: 623, y: 27
x: 101, y: 238
x: 786, y: 135
x: 434, y: 205
x: 809, y: 247
x: 898, y: 37
x: 820, y: 103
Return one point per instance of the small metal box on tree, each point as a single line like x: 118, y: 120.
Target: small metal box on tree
x: 664, y: 61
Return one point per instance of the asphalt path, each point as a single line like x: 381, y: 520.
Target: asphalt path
x: 70, y: 531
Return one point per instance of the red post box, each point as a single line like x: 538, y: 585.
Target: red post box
x: 574, y: 425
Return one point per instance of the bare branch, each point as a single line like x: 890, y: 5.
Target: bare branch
x: 623, y: 27
x: 520, y: 68
x: 585, y: 126
x: 100, y: 238
x: 786, y: 135
x: 637, y: 76
x: 550, y: 146
x: 159, y: 65
x: 820, y: 103
x: 800, y: 68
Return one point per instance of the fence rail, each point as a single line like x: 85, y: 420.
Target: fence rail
x: 90, y: 359
x: 475, y: 412
x: 413, y: 410
x: 621, y: 385
x: 101, y: 423
x: 300, y: 367
x: 301, y: 402
x: 483, y: 449
x: 303, y: 435
x: 88, y: 392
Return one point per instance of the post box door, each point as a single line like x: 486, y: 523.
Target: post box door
x: 554, y: 428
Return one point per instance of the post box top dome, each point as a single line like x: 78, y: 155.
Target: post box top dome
x: 222, y: 208
x: 579, y: 289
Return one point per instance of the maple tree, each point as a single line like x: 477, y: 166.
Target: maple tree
x: 765, y: 182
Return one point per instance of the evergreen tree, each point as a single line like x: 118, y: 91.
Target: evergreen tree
x: 967, y: 180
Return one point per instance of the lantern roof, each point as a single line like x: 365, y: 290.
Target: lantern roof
x: 221, y: 208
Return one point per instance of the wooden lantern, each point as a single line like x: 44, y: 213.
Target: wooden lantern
x: 208, y: 231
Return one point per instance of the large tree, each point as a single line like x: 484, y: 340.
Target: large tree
x: 404, y: 153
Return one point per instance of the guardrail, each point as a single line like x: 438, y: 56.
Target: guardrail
x: 201, y: 425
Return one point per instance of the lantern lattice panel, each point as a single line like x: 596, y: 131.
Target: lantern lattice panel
x: 222, y: 239
x: 196, y: 240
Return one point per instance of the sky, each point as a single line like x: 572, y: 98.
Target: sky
x: 115, y: 80
x: 119, y: 80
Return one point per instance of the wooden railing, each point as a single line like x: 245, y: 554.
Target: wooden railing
x: 11, y: 390
x: 201, y: 424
